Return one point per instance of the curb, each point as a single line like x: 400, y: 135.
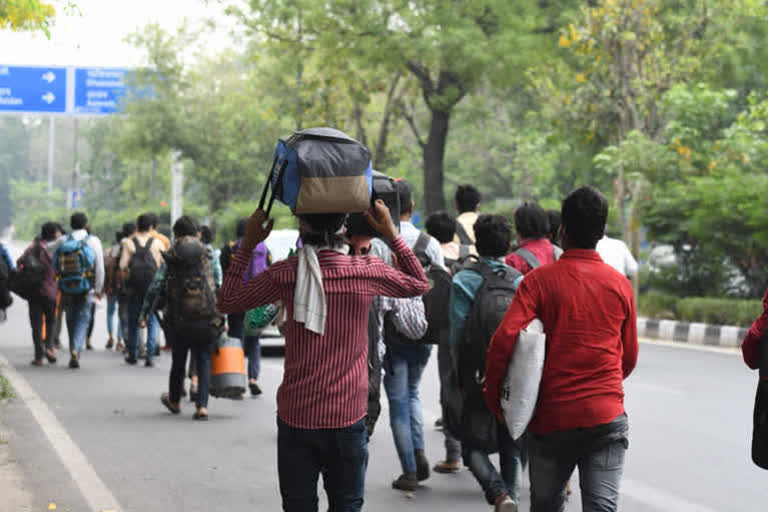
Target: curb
x: 693, y: 333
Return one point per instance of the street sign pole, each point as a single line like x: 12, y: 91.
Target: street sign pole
x: 51, y: 147
x: 177, y: 186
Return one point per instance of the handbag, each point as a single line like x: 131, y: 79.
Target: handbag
x: 258, y: 318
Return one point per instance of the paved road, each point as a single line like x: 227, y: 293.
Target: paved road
x: 689, y: 445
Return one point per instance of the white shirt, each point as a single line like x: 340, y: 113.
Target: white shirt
x: 616, y: 254
x: 95, y: 244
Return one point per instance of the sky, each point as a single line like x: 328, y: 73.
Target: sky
x: 95, y: 36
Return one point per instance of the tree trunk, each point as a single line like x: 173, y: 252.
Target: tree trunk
x: 434, y: 153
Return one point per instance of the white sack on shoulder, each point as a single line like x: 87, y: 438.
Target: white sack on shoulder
x: 520, y: 389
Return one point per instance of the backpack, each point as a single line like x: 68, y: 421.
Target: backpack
x: 189, y: 291
x: 28, y: 279
x: 5, y: 294
x: 141, y: 267
x: 75, y: 266
x: 532, y: 260
x: 479, y: 425
x: 463, y: 261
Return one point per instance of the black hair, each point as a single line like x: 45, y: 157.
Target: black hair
x: 118, y: 236
x: 584, y: 214
x: 48, y: 231
x: 406, y: 196
x: 240, y: 228
x: 152, y: 219
x: 467, y: 198
x: 185, y: 226
x: 129, y: 228
x: 554, y: 225
x: 324, y: 229
x: 531, y: 221
x: 441, y: 226
x: 493, y: 235
x: 144, y: 222
x: 207, y: 236
x: 79, y: 220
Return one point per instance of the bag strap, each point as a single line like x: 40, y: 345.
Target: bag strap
x: 463, y: 235
x: 464, y: 252
x: 528, y: 257
x: 420, y: 249
x: 557, y: 251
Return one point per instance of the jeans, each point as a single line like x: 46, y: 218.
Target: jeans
x: 42, y: 309
x: 253, y: 353
x: 339, y: 454
x: 404, y: 366
x: 599, y: 454
x: 134, y: 309
x: 78, y: 315
x: 112, y: 302
x: 201, y: 354
x: 493, y: 483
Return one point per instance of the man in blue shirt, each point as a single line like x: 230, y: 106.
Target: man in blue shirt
x: 493, y: 235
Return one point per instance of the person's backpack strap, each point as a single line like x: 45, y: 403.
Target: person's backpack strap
x: 557, y: 251
x: 464, y: 252
x: 464, y: 238
x: 420, y: 249
x: 528, y: 257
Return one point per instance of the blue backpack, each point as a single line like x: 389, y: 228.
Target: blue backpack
x: 75, y: 265
x: 320, y: 170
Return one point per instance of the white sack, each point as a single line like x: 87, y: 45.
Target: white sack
x: 520, y: 389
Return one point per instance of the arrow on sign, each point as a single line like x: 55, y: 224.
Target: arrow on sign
x: 49, y: 77
x: 48, y: 97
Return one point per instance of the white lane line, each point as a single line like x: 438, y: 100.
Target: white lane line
x: 658, y: 499
x: 732, y: 351
x: 93, y: 489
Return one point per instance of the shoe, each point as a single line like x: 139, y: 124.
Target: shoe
x: 166, y: 401
x: 422, y: 465
x: 88, y: 345
x: 439, y: 423
x: 200, y: 416
x: 120, y: 346
x: 406, y: 482
x: 74, y: 363
x: 447, y: 467
x: 255, y: 389
x: 50, y: 355
x: 131, y: 360
x: 37, y: 362
x: 148, y: 363
x: 110, y: 344
x: 504, y: 504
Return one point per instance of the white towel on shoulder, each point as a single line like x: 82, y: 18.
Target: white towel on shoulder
x: 309, y: 304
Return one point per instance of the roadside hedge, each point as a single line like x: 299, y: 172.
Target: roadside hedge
x: 709, y: 310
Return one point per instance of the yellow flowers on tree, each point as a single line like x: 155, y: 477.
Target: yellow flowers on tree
x: 26, y: 15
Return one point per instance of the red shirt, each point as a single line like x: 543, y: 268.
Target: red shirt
x: 588, y: 312
x: 325, y: 382
x: 750, y: 347
x: 541, y: 248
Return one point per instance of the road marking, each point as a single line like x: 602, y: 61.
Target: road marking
x: 731, y: 351
x: 658, y: 499
x: 93, y: 489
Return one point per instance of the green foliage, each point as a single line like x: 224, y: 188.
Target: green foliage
x: 33, y: 206
x: 6, y: 390
x: 709, y: 310
x: 657, y: 305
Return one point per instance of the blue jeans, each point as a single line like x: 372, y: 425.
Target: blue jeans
x: 599, y: 454
x: 493, y: 483
x: 339, y: 454
x: 253, y: 353
x: 112, y: 301
x: 78, y: 315
x: 134, y: 309
x: 404, y: 366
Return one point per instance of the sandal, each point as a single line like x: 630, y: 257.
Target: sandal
x: 50, y: 355
x: 200, y: 416
x: 166, y: 401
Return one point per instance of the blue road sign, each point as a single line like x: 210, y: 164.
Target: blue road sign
x: 99, y: 90
x: 33, y: 89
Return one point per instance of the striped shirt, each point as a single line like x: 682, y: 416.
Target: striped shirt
x: 325, y: 382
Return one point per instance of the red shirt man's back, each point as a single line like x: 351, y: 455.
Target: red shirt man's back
x: 588, y: 312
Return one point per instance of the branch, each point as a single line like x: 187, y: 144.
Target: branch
x: 415, y: 130
x: 422, y: 73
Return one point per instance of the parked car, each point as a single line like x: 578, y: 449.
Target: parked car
x: 280, y: 244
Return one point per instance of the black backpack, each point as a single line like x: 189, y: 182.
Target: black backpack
x: 5, y: 293
x: 189, y: 293
x: 437, y: 301
x: 27, y: 280
x: 464, y: 260
x: 141, y: 267
x: 479, y: 425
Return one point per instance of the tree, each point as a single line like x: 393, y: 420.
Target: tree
x: 449, y: 48
x: 29, y: 14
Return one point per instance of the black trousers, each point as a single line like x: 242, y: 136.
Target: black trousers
x: 42, y: 309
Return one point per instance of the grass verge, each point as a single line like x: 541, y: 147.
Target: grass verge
x: 6, y: 391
